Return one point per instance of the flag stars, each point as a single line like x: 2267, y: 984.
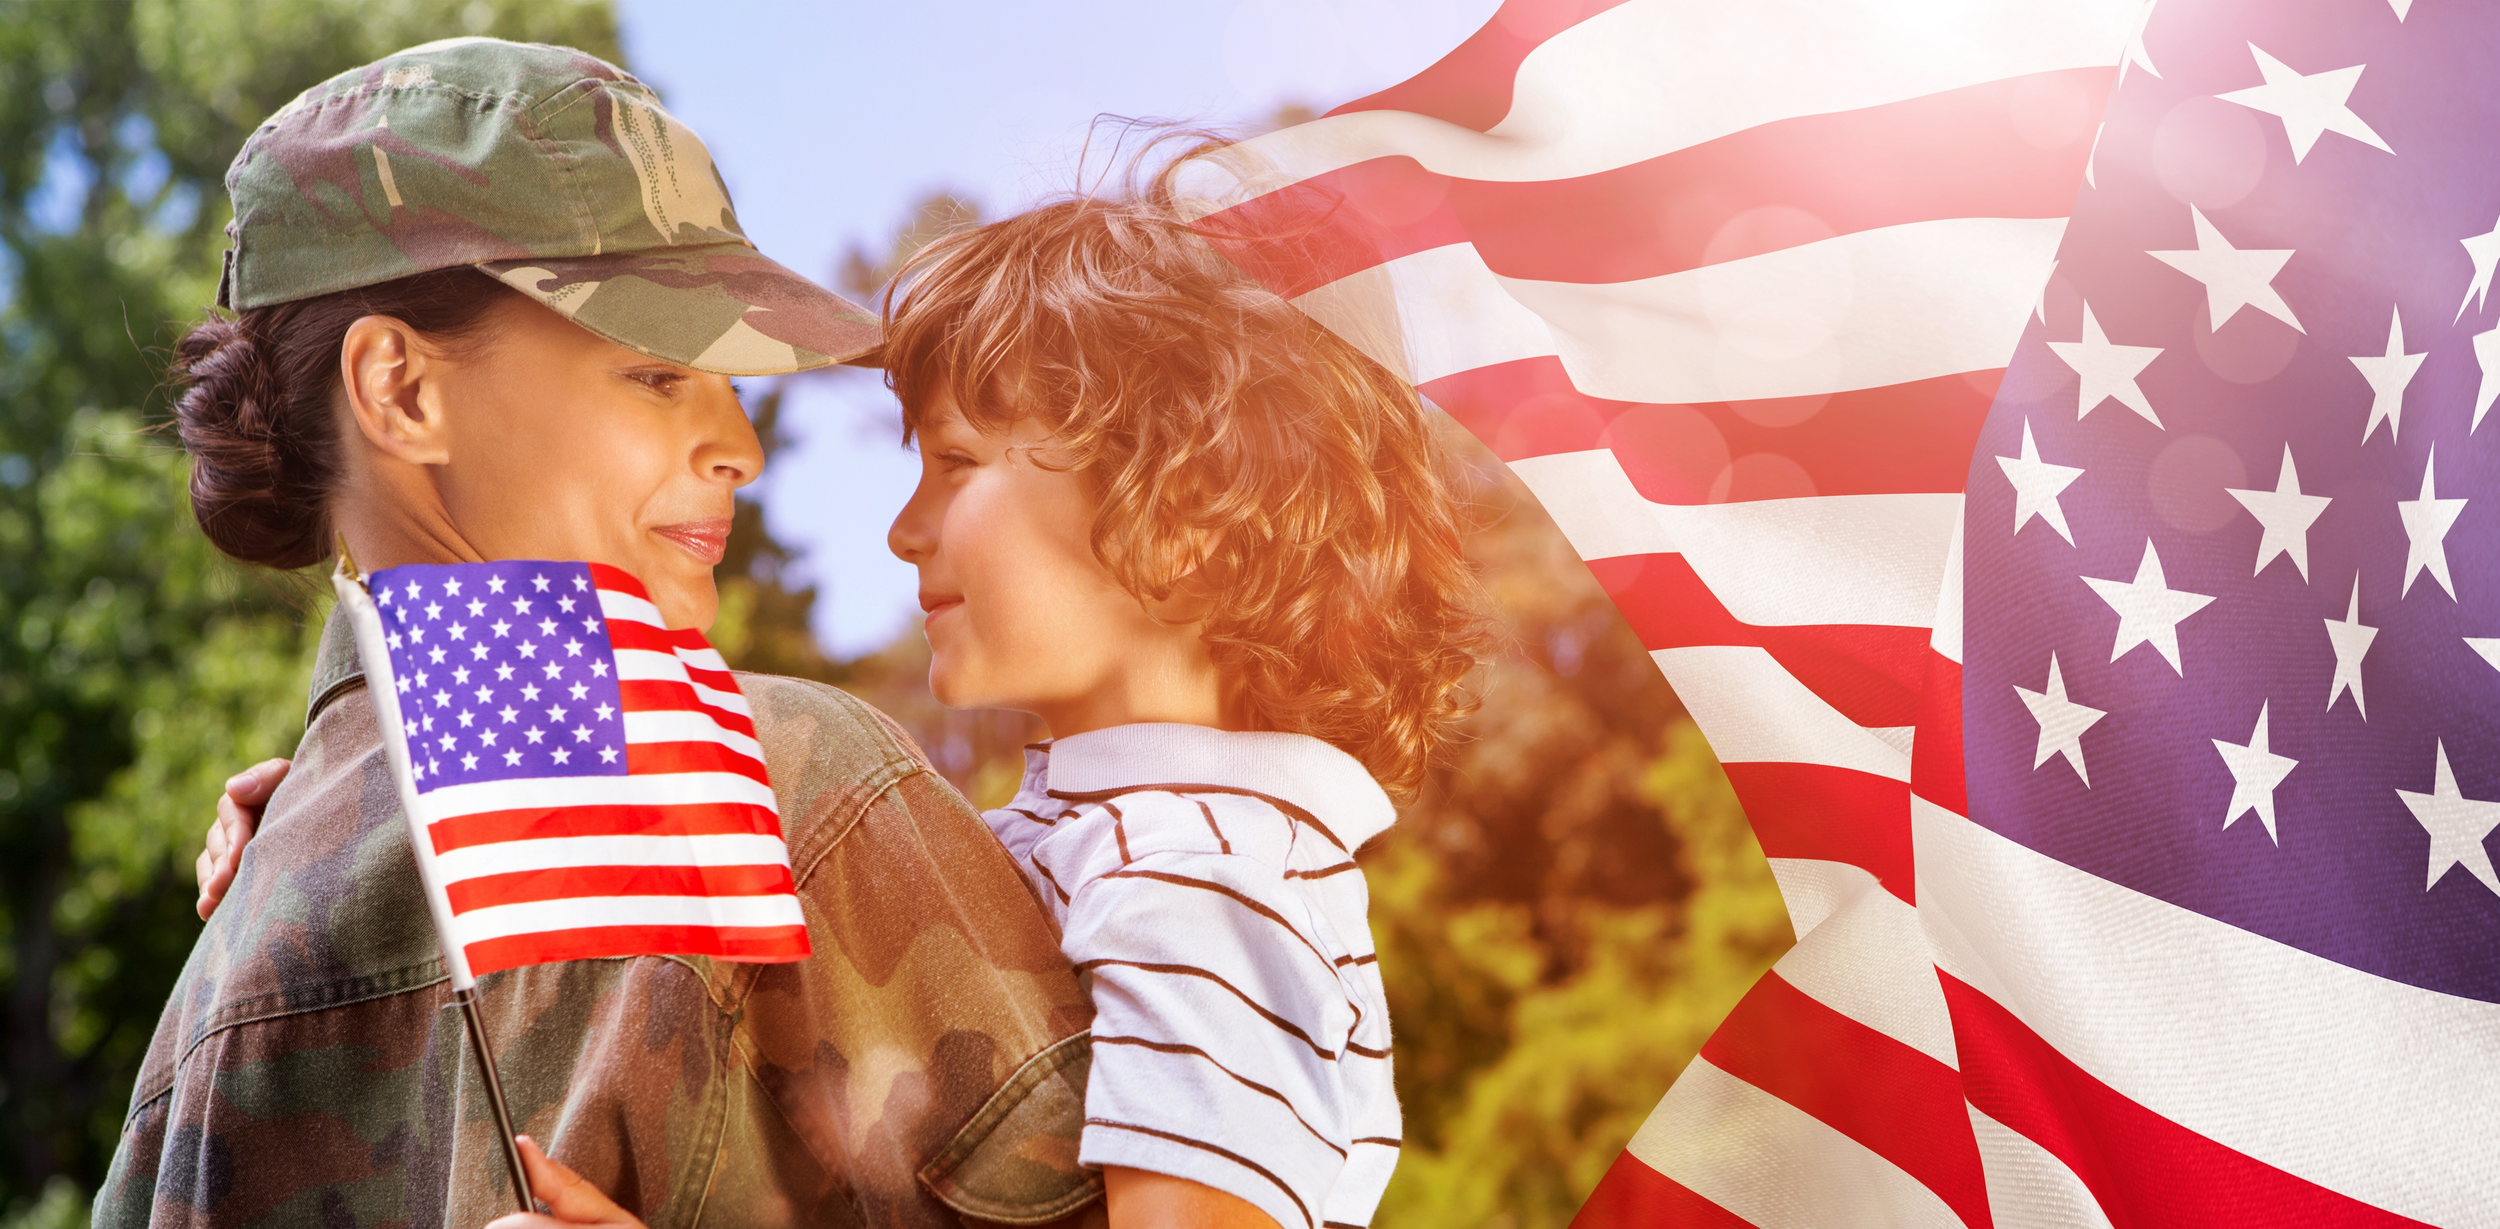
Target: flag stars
x: 604, y: 712
x: 581, y: 733
x: 2037, y: 485
x: 520, y: 605
x: 599, y: 667
x: 580, y: 691
x: 509, y: 714
x: 560, y: 756
x: 554, y: 670
x: 501, y: 629
x: 494, y: 584
x: 2256, y: 772
x: 2310, y: 105
x: 591, y: 626
x: 539, y: 583
x: 607, y: 755
x: 534, y: 734
x: 460, y: 674
x: 2062, y: 722
x: 2484, y: 251
x: 555, y: 712
x: 2389, y: 375
x: 394, y: 640
x: 512, y: 757
x: 467, y: 716
x: 2486, y: 360
x: 416, y: 635
x: 2234, y: 277
x: 2427, y: 521
x: 2149, y: 610
x: 487, y: 737
x: 2106, y: 371
x: 477, y: 652
x: 442, y: 699
x: 469, y: 762
x: 503, y: 672
x: 484, y: 695
x: 476, y: 608
x: 2350, y: 638
x: 433, y: 610
x: 2457, y: 825
x: 564, y: 604
x: 529, y: 648
x: 581, y: 583
x: 436, y: 654
x: 449, y: 742
x: 2285, y: 515
x: 529, y: 691
x: 546, y: 627
x: 572, y: 648
x: 451, y: 587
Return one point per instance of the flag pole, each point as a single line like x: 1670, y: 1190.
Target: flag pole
x: 372, y: 649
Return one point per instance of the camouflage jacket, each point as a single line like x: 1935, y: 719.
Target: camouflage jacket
x: 928, y: 1060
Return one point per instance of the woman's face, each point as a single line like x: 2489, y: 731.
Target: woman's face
x: 562, y: 445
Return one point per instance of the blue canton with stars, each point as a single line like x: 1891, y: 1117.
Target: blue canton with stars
x: 504, y: 671
x: 2232, y: 570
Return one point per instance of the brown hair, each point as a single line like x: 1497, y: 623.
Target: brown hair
x: 1226, y: 435
x: 258, y: 409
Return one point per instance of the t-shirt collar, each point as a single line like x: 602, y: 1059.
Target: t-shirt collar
x: 1296, y: 769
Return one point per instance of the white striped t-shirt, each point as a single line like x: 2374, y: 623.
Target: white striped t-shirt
x: 1203, y: 885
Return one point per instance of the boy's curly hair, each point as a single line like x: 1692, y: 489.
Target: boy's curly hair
x: 1226, y: 436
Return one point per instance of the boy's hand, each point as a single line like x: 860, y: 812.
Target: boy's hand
x: 570, y: 1199
x: 238, y: 817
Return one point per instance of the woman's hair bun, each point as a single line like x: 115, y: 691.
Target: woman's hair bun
x: 258, y: 410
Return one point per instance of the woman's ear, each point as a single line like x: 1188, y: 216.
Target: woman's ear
x: 391, y: 376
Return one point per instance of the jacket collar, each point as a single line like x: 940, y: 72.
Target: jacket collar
x: 336, y: 668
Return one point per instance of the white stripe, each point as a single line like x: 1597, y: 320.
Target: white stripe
x: 1861, y: 310
x: 1754, y: 711
x: 1869, y: 962
x: 532, y: 793
x: 577, y: 913
x: 1655, y: 76
x: 2385, y: 1092
x: 626, y: 608
x: 2027, y: 1187
x: 677, y: 725
x: 709, y: 658
x: 721, y: 849
x: 1875, y: 559
x: 648, y: 665
x: 1774, y: 1164
x: 1947, y: 637
x: 1815, y: 889
x: 730, y: 701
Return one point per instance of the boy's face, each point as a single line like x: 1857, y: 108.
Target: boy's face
x: 1020, y: 614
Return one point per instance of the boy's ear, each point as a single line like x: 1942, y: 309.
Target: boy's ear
x: 389, y: 375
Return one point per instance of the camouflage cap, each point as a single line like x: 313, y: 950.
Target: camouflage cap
x: 551, y: 170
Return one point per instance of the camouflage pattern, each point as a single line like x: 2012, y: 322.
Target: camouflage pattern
x: 926, y: 1063
x: 554, y: 171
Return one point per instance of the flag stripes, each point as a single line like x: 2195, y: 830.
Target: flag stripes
x: 1736, y: 324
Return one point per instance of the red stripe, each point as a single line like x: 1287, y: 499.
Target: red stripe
x: 685, y: 819
x: 1914, y: 438
x: 2146, y: 1171
x: 618, y: 579
x: 647, y: 759
x: 1471, y: 85
x: 566, y: 883
x: 663, y: 695
x: 1870, y: 673
x: 717, y: 680
x: 1936, y: 754
x: 631, y: 634
x: 1634, y: 1196
x: 1833, y: 815
x: 759, y: 944
x: 1957, y: 154
x: 1901, y: 1104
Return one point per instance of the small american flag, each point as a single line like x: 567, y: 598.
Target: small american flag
x: 1732, y: 288
x: 587, y: 780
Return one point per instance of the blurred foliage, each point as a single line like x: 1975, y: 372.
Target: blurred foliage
x: 136, y: 668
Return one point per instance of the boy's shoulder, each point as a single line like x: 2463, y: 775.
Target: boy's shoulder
x: 830, y: 753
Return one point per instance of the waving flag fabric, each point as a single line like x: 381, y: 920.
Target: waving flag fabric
x: 1731, y: 288
x: 587, y: 780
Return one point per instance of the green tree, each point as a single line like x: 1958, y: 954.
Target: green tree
x: 136, y: 668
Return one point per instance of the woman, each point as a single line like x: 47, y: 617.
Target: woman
x: 490, y: 297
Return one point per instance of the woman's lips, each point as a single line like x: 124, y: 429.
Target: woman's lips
x: 705, y: 540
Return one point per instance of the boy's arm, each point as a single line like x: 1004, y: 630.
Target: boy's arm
x: 1139, y: 1199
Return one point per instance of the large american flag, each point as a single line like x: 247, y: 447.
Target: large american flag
x: 587, y: 780
x: 1732, y: 288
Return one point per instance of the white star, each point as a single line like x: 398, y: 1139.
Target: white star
x: 494, y: 584
x: 512, y: 757
x: 2488, y: 647
x: 554, y: 670
x: 562, y: 756
x: 520, y: 605
x: 503, y: 672
x: 2484, y: 251
x: 565, y: 604
x: 2309, y: 106
x: 580, y: 690
x: 476, y: 607
x: 604, y: 710
x: 598, y: 667
x: 487, y: 737
x: 2350, y: 638
x: 469, y: 762
x: 581, y: 733
x: 502, y: 628
x: 540, y: 582
x: 459, y: 631
x: 535, y: 735
x: 2062, y: 722
x: 2136, y: 56
x: 477, y: 652
x: 529, y: 691
x: 449, y: 742
x: 2286, y: 516
x: 2036, y: 487
x: 2149, y: 610
x: 2458, y: 825
x: 2427, y: 521
x: 2106, y: 370
x: 451, y: 588
x: 529, y: 649
x: 607, y: 755
x: 572, y: 648
x: 2255, y: 772
x: 2234, y: 277
x: 555, y: 712
x: 433, y: 610
x: 2388, y: 375
x: 2486, y: 357
x: 460, y: 674
x: 546, y: 627
x: 581, y: 582
x: 509, y: 714
x: 483, y: 695
x: 2402, y: 7
x: 383, y: 596
x: 394, y: 640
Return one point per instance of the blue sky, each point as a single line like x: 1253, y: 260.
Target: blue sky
x: 828, y: 119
